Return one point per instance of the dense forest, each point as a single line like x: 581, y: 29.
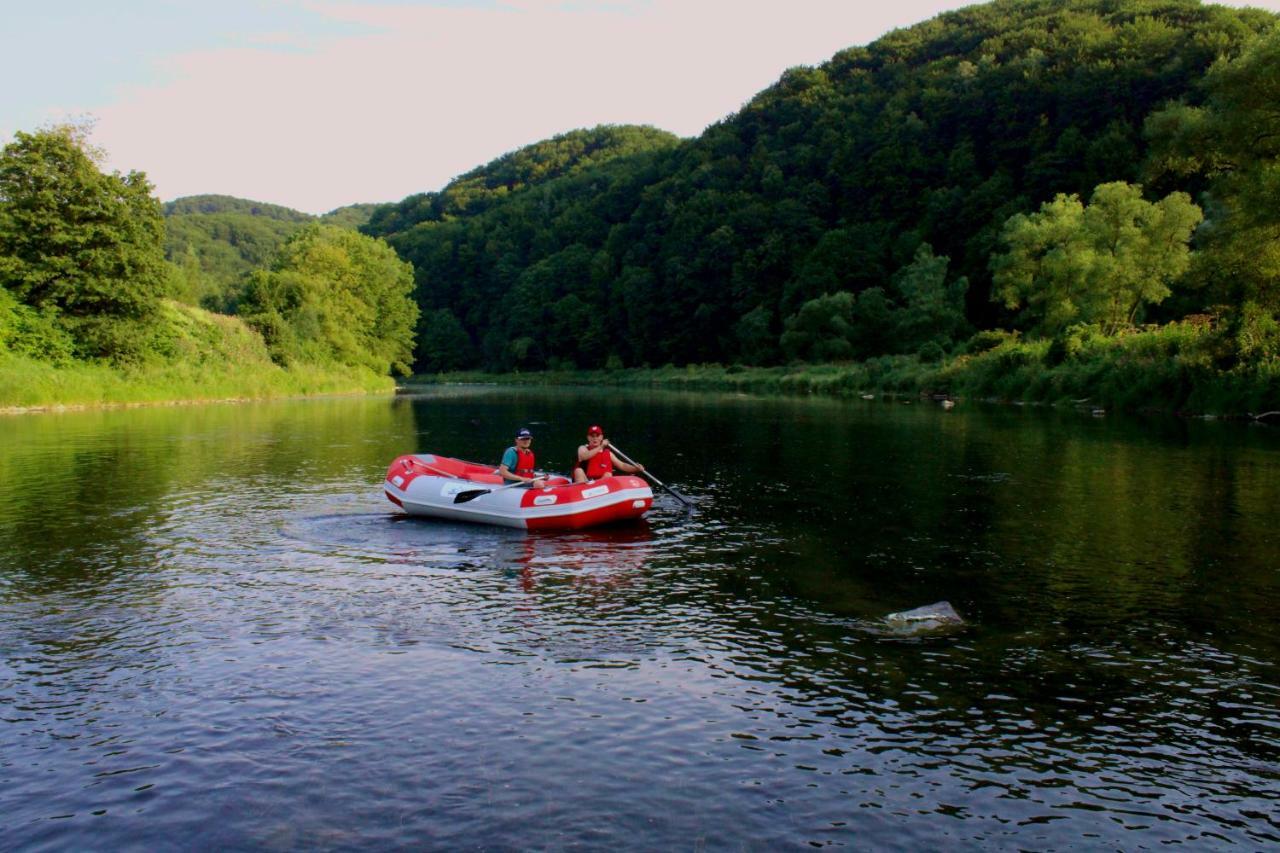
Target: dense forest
x: 1060, y: 170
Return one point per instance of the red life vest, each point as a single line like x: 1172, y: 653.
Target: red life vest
x: 599, y: 465
x: 524, y: 462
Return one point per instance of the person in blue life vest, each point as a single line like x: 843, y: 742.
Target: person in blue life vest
x: 596, y: 461
x: 517, y: 462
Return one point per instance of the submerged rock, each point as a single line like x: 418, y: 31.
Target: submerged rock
x: 931, y: 619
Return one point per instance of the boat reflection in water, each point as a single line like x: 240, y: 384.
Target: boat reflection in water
x: 602, y: 558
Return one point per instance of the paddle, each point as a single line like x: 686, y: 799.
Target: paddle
x: 630, y: 461
x: 472, y: 494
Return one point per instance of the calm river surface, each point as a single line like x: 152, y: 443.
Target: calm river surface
x: 216, y: 633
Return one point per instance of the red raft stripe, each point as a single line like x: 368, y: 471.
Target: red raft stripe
x: 620, y: 511
x: 568, y: 495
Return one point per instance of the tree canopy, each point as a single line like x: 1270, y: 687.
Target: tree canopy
x: 216, y: 240
x: 828, y: 182
x: 80, y: 248
x: 1096, y: 264
x: 334, y: 296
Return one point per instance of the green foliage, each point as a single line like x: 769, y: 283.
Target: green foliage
x: 822, y: 330
x: 83, y: 317
x: 827, y: 182
x: 442, y: 342
x: 477, y: 190
x: 334, y: 296
x: 1101, y: 263
x: 1231, y: 145
x: 353, y: 216
x: 33, y: 333
x: 213, y: 204
x: 756, y: 337
x: 216, y: 250
x: 198, y: 356
x: 1258, y: 337
x: 920, y: 311
x: 216, y: 240
x: 932, y: 312
x: 78, y: 246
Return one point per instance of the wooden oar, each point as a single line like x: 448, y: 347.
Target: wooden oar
x: 629, y: 461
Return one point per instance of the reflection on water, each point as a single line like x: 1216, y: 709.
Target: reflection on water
x: 213, y: 627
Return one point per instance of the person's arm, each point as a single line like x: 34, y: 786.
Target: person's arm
x: 627, y: 466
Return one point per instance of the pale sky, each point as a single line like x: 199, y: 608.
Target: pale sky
x: 316, y: 104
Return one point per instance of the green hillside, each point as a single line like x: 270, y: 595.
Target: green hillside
x: 861, y: 208
x: 216, y: 240
x: 210, y: 204
x: 529, y: 167
x: 92, y: 311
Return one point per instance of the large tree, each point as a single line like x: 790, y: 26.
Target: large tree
x: 1098, y: 264
x: 334, y: 295
x: 80, y: 244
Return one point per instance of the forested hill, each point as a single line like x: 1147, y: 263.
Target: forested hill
x: 477, y: 190
x: 215, y: 240
x: 850, y: 210
x: 206, y: 204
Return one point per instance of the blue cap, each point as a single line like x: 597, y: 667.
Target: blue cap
x: 524, y: 433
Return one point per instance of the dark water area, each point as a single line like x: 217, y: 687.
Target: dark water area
x: 215, y: 633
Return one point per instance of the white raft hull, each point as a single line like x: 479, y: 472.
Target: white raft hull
x: 434, y: 486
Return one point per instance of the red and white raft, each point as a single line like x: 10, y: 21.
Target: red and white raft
x: 440, y: 487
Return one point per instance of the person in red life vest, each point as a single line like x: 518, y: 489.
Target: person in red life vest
x: 595, y: 460
x: 517, y: 462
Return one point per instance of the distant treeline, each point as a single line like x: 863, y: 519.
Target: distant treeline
x: 1050, y: 169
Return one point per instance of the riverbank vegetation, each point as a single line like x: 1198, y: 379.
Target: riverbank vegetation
x: 1091, y: 182
x: 92, y: 312
x: 1040, y: 199
x: 1169, y: 369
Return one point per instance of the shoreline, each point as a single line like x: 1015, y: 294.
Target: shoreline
x: 1199, y: 395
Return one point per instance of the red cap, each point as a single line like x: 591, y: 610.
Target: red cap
x: 594, y: 430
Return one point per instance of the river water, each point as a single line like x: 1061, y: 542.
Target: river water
x: 216, y: 633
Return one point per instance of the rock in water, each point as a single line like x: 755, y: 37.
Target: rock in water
x: 930, y: 619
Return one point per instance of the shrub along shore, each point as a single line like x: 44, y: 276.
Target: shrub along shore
x: 1171, y: 369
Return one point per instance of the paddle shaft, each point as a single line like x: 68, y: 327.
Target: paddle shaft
x: 472, y: 494
x: 627, y: 459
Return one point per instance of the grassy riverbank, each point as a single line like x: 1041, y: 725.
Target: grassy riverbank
x: 26, y: 384
x: 1171, y: 369
x: 199, y: 356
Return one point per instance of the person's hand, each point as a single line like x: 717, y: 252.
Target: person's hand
x: 538, y: 482
x: 605, y: 443
x: 639, y: 468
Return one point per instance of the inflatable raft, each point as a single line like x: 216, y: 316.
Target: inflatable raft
x: 440, y: 487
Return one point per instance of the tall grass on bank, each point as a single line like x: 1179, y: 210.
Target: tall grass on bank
x: 31, y: 384
x: 1171, y: 369
x: 198, y: 356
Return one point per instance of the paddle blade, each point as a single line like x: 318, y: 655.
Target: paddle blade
x: 463, y: 497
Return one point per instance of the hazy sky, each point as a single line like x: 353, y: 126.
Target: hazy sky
x: 320, y: 103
